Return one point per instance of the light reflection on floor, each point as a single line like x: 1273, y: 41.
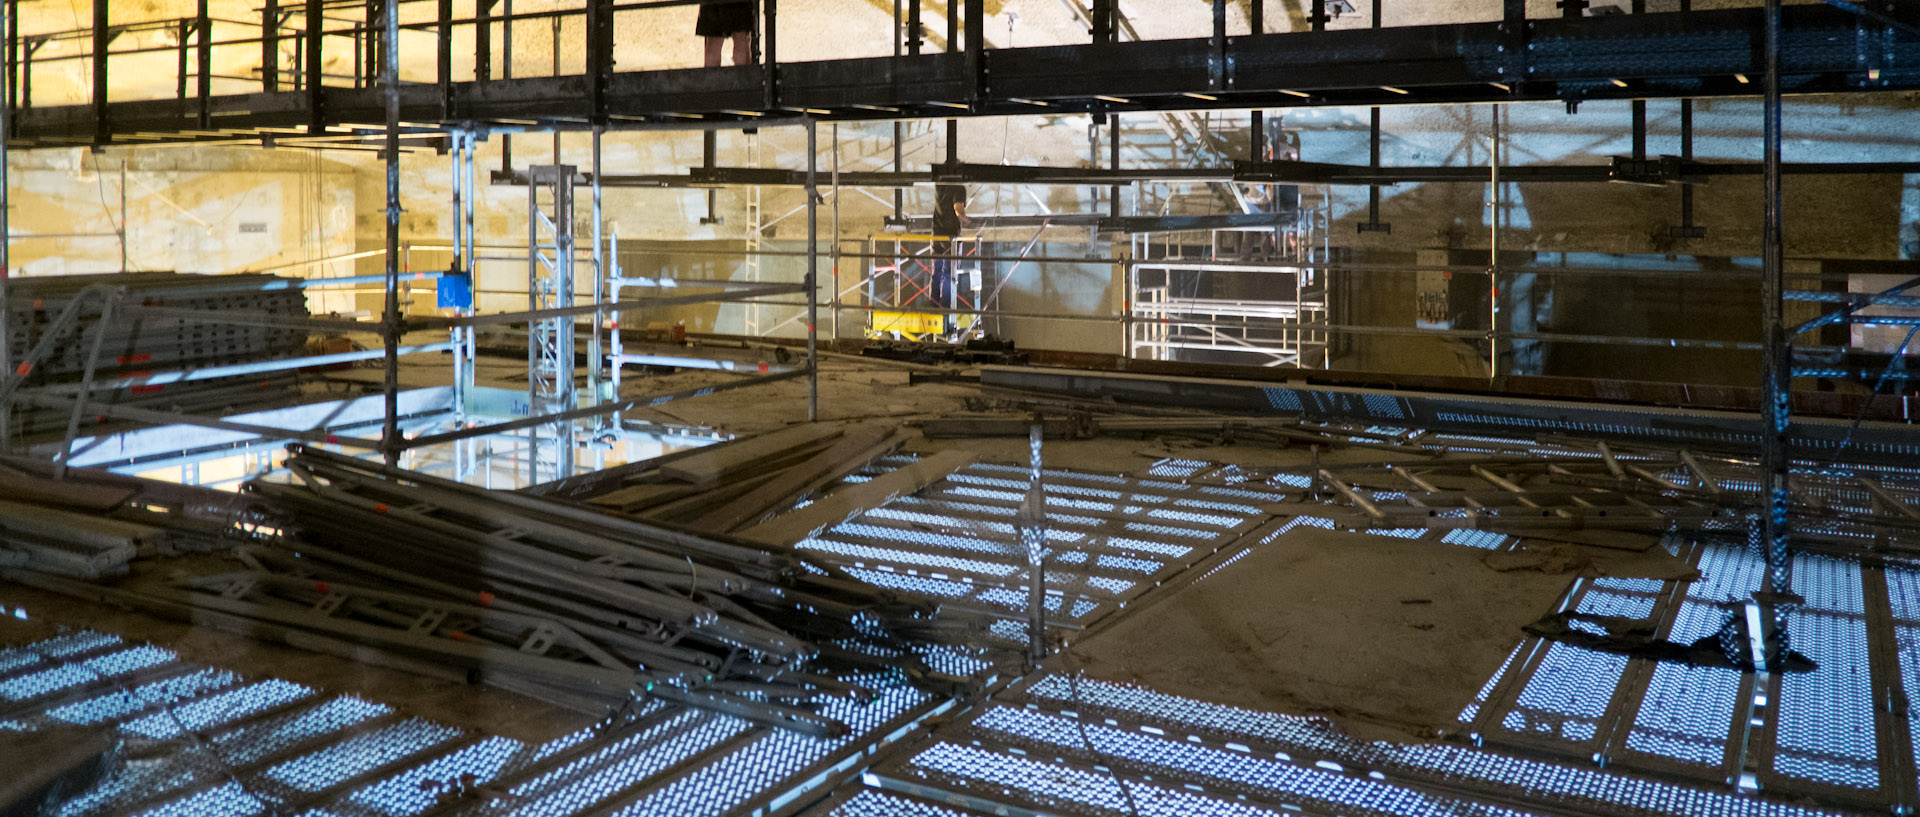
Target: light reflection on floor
x: 498, y: 461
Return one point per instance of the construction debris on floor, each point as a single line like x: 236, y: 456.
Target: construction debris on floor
x: 1254, y: 615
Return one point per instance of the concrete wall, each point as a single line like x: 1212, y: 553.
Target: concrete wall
x: 186, y: 207
x: 206, y: 210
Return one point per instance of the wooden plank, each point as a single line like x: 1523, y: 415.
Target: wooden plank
x: 687, y: 509
x: 854, y: 500
x: 65, y: 493
x: 91, y: 530
x: 716, y: 463
x: 860, y: 445
x: 644, y: 495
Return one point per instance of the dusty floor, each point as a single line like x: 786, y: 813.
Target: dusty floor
x: 1317, y: 623
x: 1386, y: 637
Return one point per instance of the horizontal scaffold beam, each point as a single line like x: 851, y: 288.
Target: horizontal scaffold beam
x: 1676, y: 54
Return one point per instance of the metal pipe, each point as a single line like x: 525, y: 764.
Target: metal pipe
x: 462, y: 241
x: 592, y: 411
x: 170, y: 417
x: 123, y: 211
x: 237, y: 369
x: 813, y: 271
x: 1493, y: 249
x: 1033, y: 540
x: 390, y: 321
x: 834, y: 314
x: 1776, y: 382
x: 1113, y: 163
x: 8, y: 26
x: 1686, y: 155
x: 100, y: 330
x: 595, y: 357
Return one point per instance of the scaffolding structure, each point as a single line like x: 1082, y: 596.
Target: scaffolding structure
x: 550, y: 388
x: 899, y: 287
x: 1258, y: 296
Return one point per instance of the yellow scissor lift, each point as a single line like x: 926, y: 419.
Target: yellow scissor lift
x: 899, y: 288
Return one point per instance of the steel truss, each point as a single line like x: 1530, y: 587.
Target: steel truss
x: 550, y: 257
x: 1634, y: 56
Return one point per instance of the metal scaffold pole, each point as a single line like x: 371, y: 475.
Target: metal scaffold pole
x: 1493, y: 248
x: 833, y: 316
x: 1765, y: 616
x: 1776, y: 380
x: 463, y: 252
x: 6, y: 239
x: 594, y: 357
x: 456, y: 182
x: 813, y: 272
x: 390, y: 442
x: 1033, y: 543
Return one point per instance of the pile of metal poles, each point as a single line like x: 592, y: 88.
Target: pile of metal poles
x: 566, y: 602
x: 101, y: 335
x: 90, y: 524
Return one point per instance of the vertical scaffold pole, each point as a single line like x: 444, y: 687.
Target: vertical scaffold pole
x: 1033, y: 541
x: 390, y: 442
x: 813, y: 273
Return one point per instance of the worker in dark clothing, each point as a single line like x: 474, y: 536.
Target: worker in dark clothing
x: 720, y: 21
x: 1279, y: 199
x: 949, y: 216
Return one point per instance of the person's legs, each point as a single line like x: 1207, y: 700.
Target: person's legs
x: 713, y: 50
x: 942, y: 281
x: 740, y: 55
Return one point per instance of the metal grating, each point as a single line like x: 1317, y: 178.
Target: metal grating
x: 1082, y: 792
x: 771, y: 757
x: 870, y: 803
x: 403, y: 794
x: 1684, y: 714
x: 1567, y: 694
x: 1826, y: 728
x: 1460, y: 768
x: 342, y: 761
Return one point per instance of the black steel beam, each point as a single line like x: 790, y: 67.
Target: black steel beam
x: 1662, y: 171
x: 310, y: 111
x: 270, y: 46
x: 599, y: 56
x: 1105, y: 222
x: 203, y: 60
x: 1691, y: 54
x: 102, y: 37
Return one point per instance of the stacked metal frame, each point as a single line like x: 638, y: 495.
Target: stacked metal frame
x: 97, y: 347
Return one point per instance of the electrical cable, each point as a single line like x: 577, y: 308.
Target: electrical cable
x: 120, y: 226
x: 1079, y: 724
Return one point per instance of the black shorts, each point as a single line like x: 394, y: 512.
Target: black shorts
x: 724, y: 19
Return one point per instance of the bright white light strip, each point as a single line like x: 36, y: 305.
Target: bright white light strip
x: 1033, y: 102
x: 1207, y: 97
x: 1301, y: 94
x: 1392, y: 89
x: 1105, y: 98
